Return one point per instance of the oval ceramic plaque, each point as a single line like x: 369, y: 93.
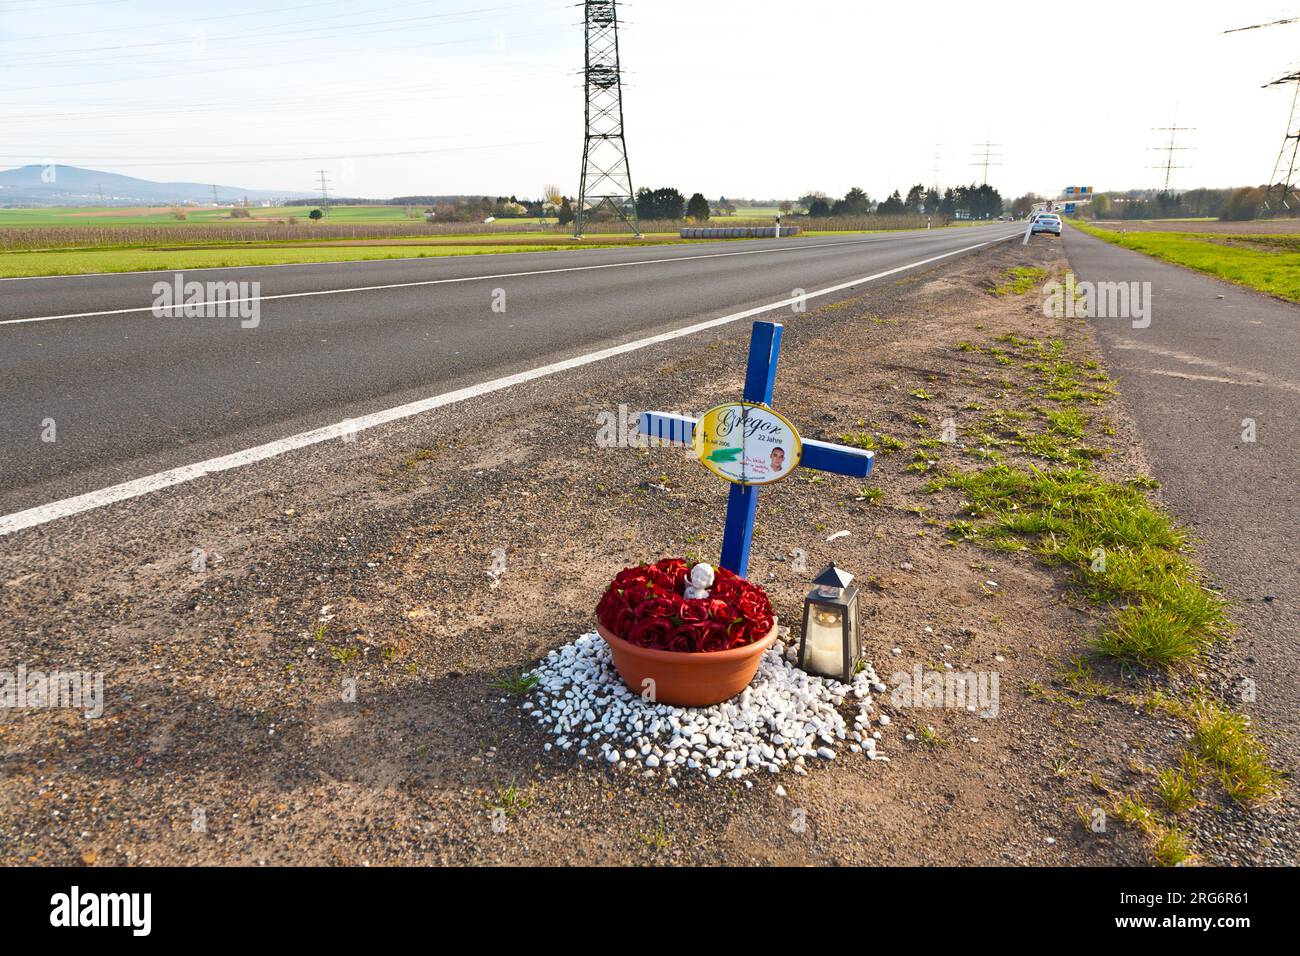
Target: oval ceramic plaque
x: 747, y: 444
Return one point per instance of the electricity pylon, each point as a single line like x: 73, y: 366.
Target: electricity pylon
x: 1168, y: 165
x: 1291, y: 136
x: 606, y: 176
x: 324, y: 191
x: 986, y: 160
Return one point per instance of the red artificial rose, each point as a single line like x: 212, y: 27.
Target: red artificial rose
x: 630, y: 576
x: 693, y: 611
x: 609, y: 608
x: 658, y: 607
x: 715, y: 637
x: 675, y: 569
x: 636, y: 593
x: 660, y: 579
x: 651, y: 632
x: 720, y: 610
x: 726, y: 590
x: 624, y: 618
x: 750, y: 606
x: 686, y: 638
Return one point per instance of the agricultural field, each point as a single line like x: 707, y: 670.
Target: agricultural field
x: 208, y: 215
x: 1211, y: 226
x: 76, y: 241
x: 1265, y: 257
x: 145, y: 258
x: 748, y: 212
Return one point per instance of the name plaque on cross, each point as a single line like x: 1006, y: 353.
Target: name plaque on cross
x: 752, y: 471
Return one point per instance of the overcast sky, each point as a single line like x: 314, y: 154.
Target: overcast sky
x: 738, y: 97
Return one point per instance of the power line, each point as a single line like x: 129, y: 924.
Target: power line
x: 277, y: 30
x: 1257, y: 26
x: 327, y: 98
x: 60, y: 6
x: 166, y: 23
x: 225, y: 69
x: 324, y: 191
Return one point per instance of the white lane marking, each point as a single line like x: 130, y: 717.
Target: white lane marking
x: 426, y: 282
x: 1188, y: 376
x: 165, y: 479
x: 1241, y: 374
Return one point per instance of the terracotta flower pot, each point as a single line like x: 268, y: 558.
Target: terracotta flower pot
x: 685, y: 679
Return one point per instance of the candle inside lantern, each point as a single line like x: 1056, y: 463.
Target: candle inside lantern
x: 830, y: 643
x: 825, y: 641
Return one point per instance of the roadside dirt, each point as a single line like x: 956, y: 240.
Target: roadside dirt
x: 368, y: 562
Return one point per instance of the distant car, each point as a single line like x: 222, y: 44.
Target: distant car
x: 1046, y: 222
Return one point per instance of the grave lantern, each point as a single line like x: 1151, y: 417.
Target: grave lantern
x: 831, y: 643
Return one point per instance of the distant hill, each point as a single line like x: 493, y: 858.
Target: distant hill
x: 74, y: 186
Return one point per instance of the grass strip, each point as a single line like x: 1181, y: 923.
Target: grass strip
x: 1268, y: 268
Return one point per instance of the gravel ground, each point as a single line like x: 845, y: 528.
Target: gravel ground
x: 323, y: 689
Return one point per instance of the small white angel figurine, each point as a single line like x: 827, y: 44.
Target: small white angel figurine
x: 701, y: 581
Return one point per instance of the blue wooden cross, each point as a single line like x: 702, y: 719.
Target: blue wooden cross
x: 760, y: 377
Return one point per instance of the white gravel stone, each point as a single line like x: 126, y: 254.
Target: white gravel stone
x: 784, y: 715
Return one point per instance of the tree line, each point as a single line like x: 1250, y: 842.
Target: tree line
x: 972, y: 201
x: 1231, y: 204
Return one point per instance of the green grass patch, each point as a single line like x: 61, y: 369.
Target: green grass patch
x: 873, y: 441
x: 1019, y: 280
x: 1120, y: 548
x: 1225, y: 743
x: 1176, y: 790
x: 1169, y: 846
x: 1269, y: 267
x: 517, y: 684
x: 872, y: 494
x: 510, y: 800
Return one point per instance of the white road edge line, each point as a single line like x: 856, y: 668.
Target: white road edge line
x: 135, y: 488
x: 427, y: 282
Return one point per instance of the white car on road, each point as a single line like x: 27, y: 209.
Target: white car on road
x: 1046, y: 222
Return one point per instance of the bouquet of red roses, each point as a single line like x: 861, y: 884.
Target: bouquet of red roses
x: 645, y: 606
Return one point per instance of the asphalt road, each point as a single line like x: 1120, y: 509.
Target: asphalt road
x: 131, y: 393
x: 1216, y: 355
